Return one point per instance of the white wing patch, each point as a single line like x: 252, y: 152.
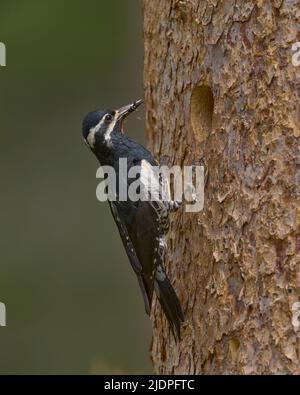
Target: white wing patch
x: 149, y: 179
x: 153, y: 183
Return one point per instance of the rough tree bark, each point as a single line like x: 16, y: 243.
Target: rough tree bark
x: 221, y: 90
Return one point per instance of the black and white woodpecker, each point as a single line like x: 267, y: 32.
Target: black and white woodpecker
x: 143, y: 225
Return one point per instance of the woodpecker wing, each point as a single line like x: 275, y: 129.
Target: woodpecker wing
x: 118, y: 213
x: 140, y: 227
x: 126, y: 240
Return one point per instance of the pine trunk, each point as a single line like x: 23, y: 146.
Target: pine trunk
x: 221, y: 90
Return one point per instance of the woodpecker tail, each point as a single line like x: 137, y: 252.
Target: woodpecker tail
x: 169, y: 301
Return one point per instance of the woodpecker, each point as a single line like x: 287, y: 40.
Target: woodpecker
x: 143, y: 225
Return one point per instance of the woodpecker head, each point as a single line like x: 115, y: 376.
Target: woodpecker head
x: 98, y: 126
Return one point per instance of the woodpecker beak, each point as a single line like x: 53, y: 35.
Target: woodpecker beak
x: 123, y: 112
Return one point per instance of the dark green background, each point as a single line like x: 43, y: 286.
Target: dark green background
x: 73, y: 303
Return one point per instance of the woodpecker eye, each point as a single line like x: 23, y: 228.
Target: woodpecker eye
x: 108, y: 117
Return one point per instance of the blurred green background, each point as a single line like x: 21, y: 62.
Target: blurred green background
x: 73, y: 303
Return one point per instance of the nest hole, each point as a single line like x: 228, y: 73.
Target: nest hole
x: 202, y: 110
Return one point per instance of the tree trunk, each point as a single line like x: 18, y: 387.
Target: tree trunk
x: 221, y: 90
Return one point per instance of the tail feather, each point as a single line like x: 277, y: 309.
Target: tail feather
x: 169, y: 302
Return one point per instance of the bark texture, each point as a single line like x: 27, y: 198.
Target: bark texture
x: 221, y: 90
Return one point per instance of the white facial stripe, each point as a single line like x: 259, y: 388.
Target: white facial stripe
x: 111, y: 127
x: 93, y: 131
x: 91, y: 136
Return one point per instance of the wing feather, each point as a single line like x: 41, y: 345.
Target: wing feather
x: 133, y: 259
x: 142, y: 225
